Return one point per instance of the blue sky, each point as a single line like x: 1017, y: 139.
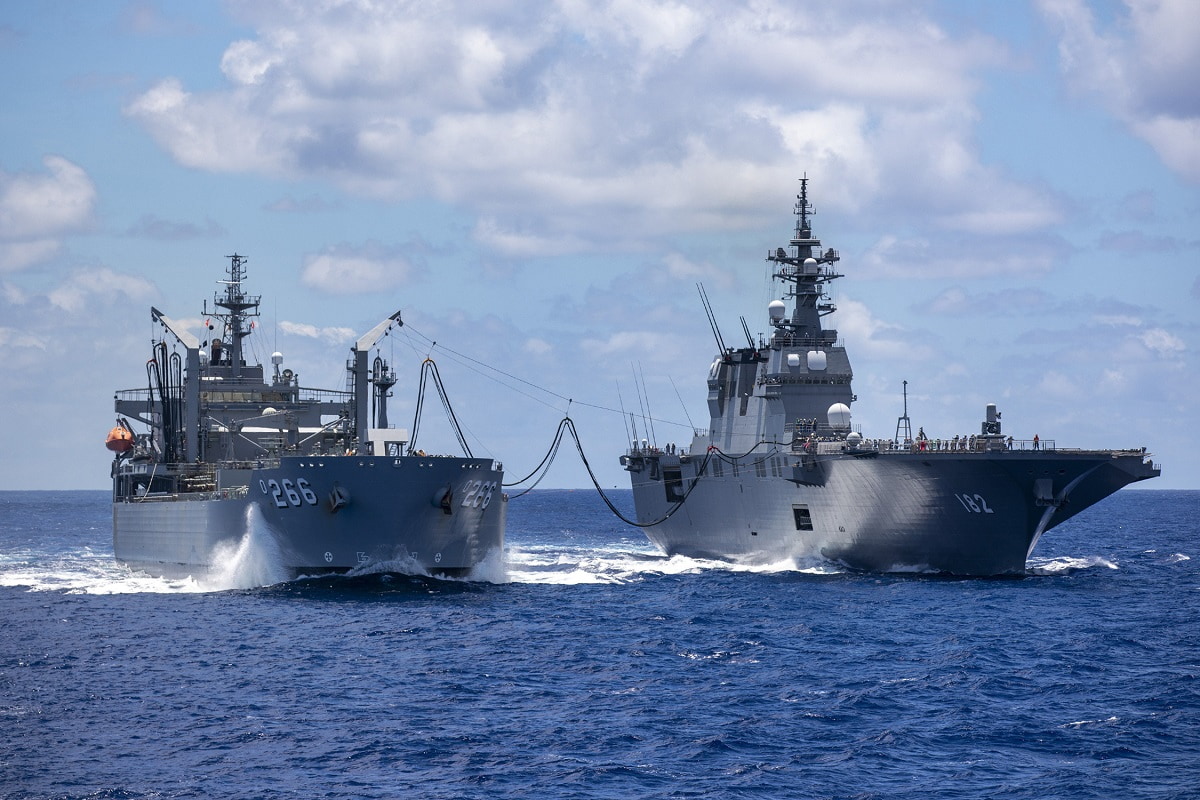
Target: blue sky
x: 539, y: 186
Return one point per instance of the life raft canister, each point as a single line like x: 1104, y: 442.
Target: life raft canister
x: 119, y: 440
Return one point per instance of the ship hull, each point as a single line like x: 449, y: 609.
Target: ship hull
x: 325, y: 514
x: 963, y: 514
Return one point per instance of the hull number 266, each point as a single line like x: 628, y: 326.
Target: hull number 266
x: 287, y: 494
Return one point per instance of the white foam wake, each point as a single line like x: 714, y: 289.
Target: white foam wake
x: 256, y: 560
x: 86, y: 571
x: 627, y: 563
x: 1063, y: 565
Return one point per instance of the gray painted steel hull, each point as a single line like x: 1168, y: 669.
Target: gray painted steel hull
x: 439, y: 514
x: 964, y: 514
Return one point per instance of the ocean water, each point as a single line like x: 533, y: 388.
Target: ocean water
x: 584, y: 664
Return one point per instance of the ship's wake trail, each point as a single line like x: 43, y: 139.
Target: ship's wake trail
x: 630, y: 564
x: 256, y: 560
x: 1065, y: 565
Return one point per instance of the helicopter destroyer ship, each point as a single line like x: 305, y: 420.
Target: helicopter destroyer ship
x: 230, y: 446
x: 780, y: 474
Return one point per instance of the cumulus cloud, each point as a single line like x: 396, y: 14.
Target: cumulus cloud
x: 37, y: 208
x: 18, y: 255
x: 100, y: 288
x: 1142, y: 68
x: 569, y: 125
x: 347, y: 269
x: 679, y: 268
x: 872, y: 337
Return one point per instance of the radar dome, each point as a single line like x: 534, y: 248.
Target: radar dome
x: 854, y: 439
x: 776, y: 309
x: 838, y: 416
x: 277, y: 358
x: 810, y: 266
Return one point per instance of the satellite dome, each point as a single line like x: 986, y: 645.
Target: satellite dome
x: 776, y: 309
x: 277, y: 358
x: 810, y: 266
x: 838, y: 416
x: 854, y: 439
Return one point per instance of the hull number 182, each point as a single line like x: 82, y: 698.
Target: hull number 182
x: 974, y: 503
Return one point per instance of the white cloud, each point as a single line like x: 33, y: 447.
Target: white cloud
x: 101, y: 290
x: 37, y: 208
x: 1142, y: 68
x: 1162, y: 342
x: 622, y: 343
x: 19, y: 255
x: 681, y: 268
x: 13, y: 294
x: 869, y: 337
x: 495, y: 238
x: 1177, y: 142
x: 1117, y: 320
x: 570, y: 126
x: 348, y: 269
x: 333, y: 335
x: 961, y: 256
x: 11, y: 339
x: 537, y: 347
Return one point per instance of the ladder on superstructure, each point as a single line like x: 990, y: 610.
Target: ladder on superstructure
x: 903, y: 422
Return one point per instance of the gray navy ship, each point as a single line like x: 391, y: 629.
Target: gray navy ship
x: 229, y: 446
x: 780, y: 474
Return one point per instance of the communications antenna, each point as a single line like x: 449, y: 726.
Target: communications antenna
x: 903, y: 422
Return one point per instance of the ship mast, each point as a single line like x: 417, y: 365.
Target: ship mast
x: 238, y: 306
x: 807, y: 269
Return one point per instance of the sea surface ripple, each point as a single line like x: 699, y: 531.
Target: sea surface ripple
x: 586, y: 665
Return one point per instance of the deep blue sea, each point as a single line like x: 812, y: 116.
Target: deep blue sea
x: 586, y: 665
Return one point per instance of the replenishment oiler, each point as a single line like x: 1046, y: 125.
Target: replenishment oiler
x: 781, y: 474
x: 229, y: 447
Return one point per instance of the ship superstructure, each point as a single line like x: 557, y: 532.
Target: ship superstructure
x: 780, y: 473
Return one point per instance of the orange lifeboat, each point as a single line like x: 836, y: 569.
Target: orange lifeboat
x: 119, y: 440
